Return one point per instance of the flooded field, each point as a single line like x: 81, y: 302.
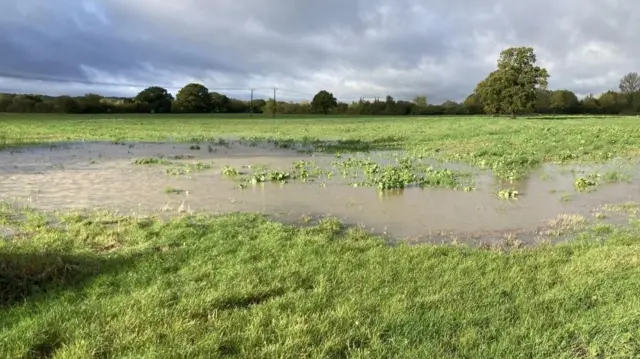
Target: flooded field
x: 388, y: 193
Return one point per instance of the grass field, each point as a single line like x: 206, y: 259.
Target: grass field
x: 98, y: 285
x: 509, y: 147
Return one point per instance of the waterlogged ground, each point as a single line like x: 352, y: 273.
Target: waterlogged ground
x: 393, y: 193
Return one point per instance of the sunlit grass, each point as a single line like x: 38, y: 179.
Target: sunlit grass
x: 241, y: 286
x: 510, y: 148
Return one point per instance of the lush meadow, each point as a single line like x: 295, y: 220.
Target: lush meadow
x: 101, y: 285
x: 507, y: 146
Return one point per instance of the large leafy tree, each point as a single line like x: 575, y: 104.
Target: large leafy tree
x: 511, y: 89
x: 157, y: 99
x: 323, y: 102
x: 473, y: 104
x: 489, y: 93
x: 193, y: 97
x: 630, y: 83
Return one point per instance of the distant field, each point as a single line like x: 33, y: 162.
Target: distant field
x: 507, y: 146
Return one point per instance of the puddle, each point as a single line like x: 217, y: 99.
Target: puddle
x: 102, y: 175
x: 6, y: 232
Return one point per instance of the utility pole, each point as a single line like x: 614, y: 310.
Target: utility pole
x: 251, y: 104
x: 275, y: 102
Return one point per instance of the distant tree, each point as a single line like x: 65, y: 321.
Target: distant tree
x: 590, y: 105
x: 420, y: 101
x: 451, y: 108
x: 5, y: 101
x: 512, y: 87
x: 22, y: 104
x: 323, y: 102
x: 156, y: 99
x: 630, y: 83
x: 342, y: 108
x: 269, y: 106
x: 612, y: 102
x: 389, y: 106
x: 43, y: 107
x: 91, y: 103
x: 219, y: 102
x: 65, y: 104
x: 237, y: 106
x: 633, y: 105
x: 472, y: 104
x: 405, y: 108
x: 258, y: 105
x: 543, y: 101
x: 564, y: 101
x: 193, y: 98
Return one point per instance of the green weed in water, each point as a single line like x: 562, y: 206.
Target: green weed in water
x: 177, y: 171
x: 508, y: 194
x: 230, y: 171
x: 172, y: 190
x: 587, y: 183
x: 151, y: 161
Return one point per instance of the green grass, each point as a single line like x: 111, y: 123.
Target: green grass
x: 240, y: 286
x: 509, y: 147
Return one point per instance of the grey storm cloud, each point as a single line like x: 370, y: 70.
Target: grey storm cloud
x: 350, y: 47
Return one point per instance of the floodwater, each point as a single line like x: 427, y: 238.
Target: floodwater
x: 102, y: 175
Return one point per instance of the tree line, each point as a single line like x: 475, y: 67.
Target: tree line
x: 517, y: 86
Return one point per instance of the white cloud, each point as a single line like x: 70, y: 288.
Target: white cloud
x: 350, y: 47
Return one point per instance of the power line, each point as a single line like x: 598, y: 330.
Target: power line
x: 31, y: 77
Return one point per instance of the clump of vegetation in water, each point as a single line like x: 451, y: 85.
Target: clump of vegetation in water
x: 180, y: 170
x: 591, y: 181
x: 230, y: 171
x: 264, y: 176
x: 366, y: 173
x: 508, y: 193
x: 393, y: 177
x: 441, y: 178
x: 170, y: 190
x: 151, y: 161
x: 583, y: 184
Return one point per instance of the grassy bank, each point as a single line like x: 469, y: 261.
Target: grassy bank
x: 240, y: 286
x: 510, y: 147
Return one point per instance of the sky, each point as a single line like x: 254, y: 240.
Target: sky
x: 351, y: 48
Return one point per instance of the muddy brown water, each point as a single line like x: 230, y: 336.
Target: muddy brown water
x: 102, y: 175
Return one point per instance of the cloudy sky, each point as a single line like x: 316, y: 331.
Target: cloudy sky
x: 352, y: 48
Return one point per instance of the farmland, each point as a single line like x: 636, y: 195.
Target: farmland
x: 323, y: 236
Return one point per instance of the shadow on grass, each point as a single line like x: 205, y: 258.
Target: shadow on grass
x: 561, y: 117
x: 25, y: 276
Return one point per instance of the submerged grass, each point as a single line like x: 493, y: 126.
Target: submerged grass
x: 356, y: 172
x: 509, y: 148
x: 241, y: 286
